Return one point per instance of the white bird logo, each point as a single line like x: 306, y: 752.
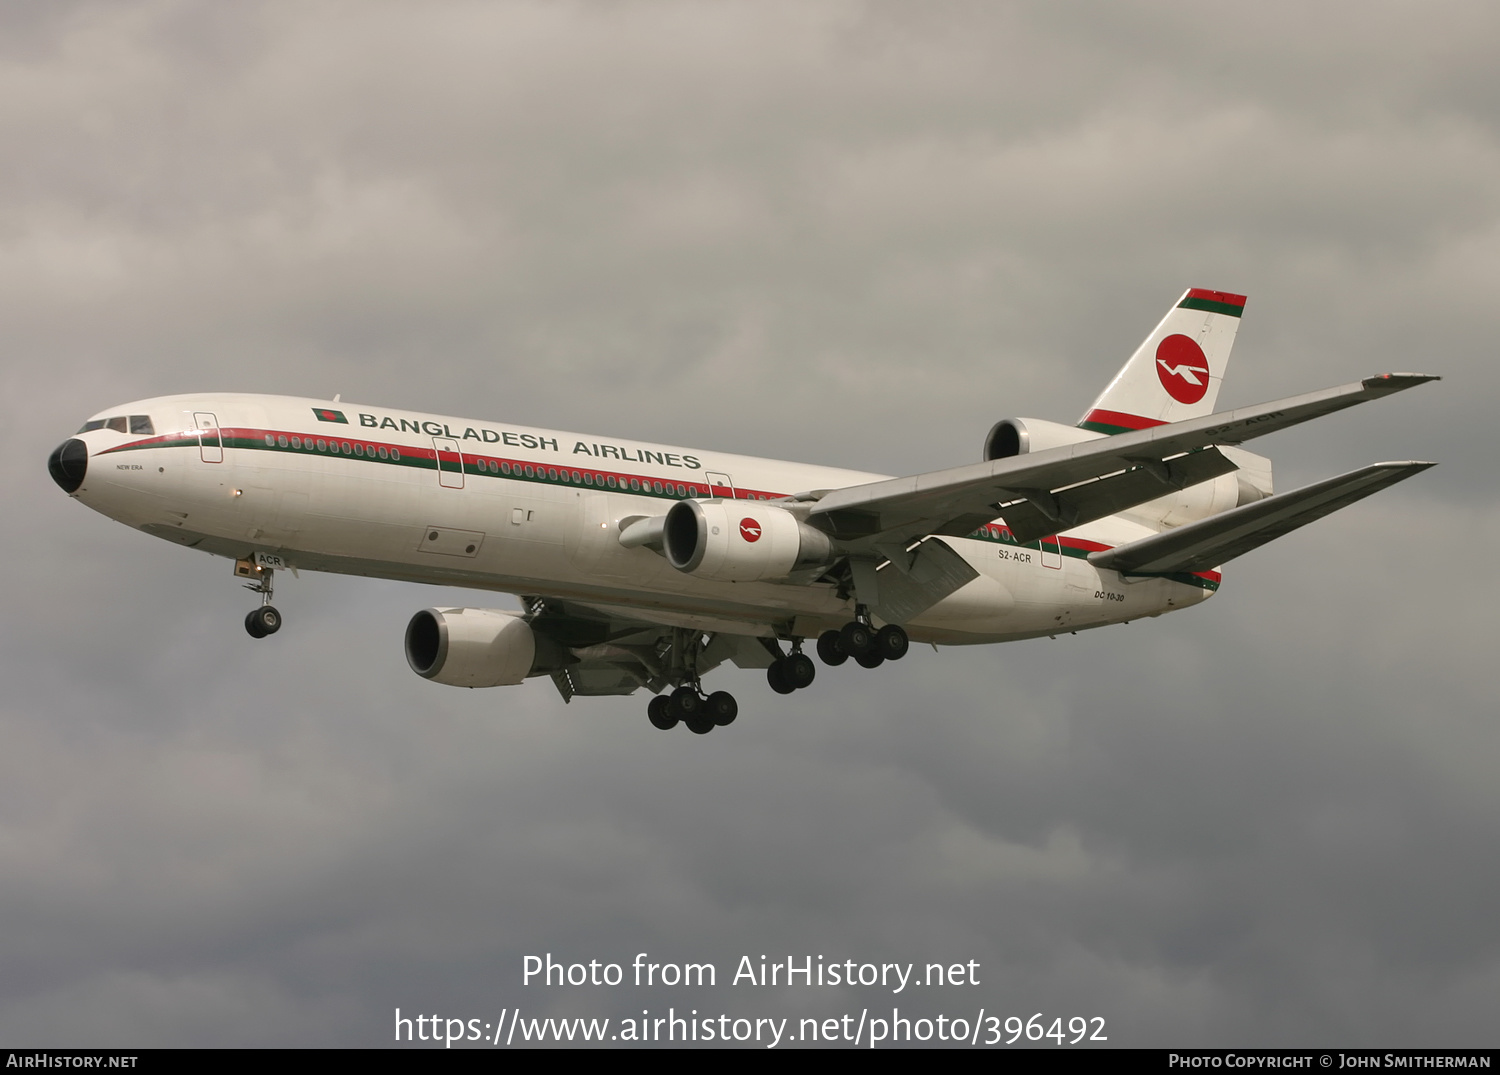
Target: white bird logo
x: 1188, y: 373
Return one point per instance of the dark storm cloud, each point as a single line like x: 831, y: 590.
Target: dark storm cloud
x: 847, y: 233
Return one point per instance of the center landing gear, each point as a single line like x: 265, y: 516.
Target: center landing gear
x: 792, y: 672
x: 265, y: 620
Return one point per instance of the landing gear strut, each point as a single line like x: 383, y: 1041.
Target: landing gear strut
x: 264, y: 620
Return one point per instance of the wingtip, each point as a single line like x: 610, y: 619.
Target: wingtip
x: 1397, y: 382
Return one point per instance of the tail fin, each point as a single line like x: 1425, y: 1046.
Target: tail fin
x: 1176, y: 373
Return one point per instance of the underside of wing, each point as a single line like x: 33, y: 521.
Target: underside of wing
x: 1218, y: 539
x: 602, y: 652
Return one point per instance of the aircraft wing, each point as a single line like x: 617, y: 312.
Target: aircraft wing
x: 1044, y: 492
x: 1218, y: 539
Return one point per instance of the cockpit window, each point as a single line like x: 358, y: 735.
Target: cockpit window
x: 136, y: 423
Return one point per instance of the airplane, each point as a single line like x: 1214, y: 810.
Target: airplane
x: 646, y: 566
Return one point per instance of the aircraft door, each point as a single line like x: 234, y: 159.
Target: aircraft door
x: 210, y: 441
x: 719, y: 485
x: 1051, y: 552
x: 450, y: 462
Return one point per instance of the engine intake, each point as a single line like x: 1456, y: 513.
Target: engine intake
x: 1019, y: 436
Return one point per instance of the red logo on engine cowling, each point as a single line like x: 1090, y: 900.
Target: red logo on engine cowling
x: 749, y: 529
x: 1182, y: 368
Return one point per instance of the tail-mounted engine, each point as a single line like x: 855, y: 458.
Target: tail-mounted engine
x: 741, y: 541
x: 1019, y: 436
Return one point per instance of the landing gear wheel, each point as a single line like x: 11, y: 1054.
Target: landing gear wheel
x: 856, y: 639
x: 798, y: 670
x: 687, y: 704
x: 873, y: 659
x: 722, y: 708
x: 263, y: 621
x: 777, y: 678
x: 830, y: 652
x: 659, y: 710
x: 700, y: 725
x: 891, y: 642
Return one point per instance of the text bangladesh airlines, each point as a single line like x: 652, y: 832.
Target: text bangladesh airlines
x: 640, y: 565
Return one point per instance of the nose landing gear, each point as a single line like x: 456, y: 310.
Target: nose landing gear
x: 265, y: 620
x: 262, y: 621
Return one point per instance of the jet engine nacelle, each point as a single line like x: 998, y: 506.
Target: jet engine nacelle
x: 740, y: 541
x: 1018, y: 436
x: 470, y: 647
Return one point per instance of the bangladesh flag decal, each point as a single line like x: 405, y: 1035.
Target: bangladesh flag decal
x: 326, y: 415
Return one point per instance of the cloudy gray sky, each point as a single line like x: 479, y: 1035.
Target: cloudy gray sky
x: 849, y: 233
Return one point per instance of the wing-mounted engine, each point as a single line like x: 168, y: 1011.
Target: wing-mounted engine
x: 1022, y: 436
x: 473, y: 647
x: 741, y: 541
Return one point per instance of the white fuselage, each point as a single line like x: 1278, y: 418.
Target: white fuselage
x: 436, y: 499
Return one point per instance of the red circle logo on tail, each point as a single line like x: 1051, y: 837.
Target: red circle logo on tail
x: 749, y: 529
x: 1182, y: 368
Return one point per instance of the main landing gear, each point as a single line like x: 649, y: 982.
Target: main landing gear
x: 688, y: 704
x: 869, y: 647
x: 265, y: 620
x: 858, y: 639
x: 788, y: 672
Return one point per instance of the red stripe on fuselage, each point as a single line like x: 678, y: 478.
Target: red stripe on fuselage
x: 1120, y: 418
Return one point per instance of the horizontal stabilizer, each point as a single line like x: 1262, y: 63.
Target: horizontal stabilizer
x: 1220, y: 538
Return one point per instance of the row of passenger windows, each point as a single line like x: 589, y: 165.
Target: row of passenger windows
x: 608, y: 481
x: 133, y: 423
x: 337, y: 447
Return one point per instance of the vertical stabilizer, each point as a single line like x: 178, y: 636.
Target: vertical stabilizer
x: 1176, y: 373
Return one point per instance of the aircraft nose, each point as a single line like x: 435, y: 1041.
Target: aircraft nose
x: 68, y: 464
